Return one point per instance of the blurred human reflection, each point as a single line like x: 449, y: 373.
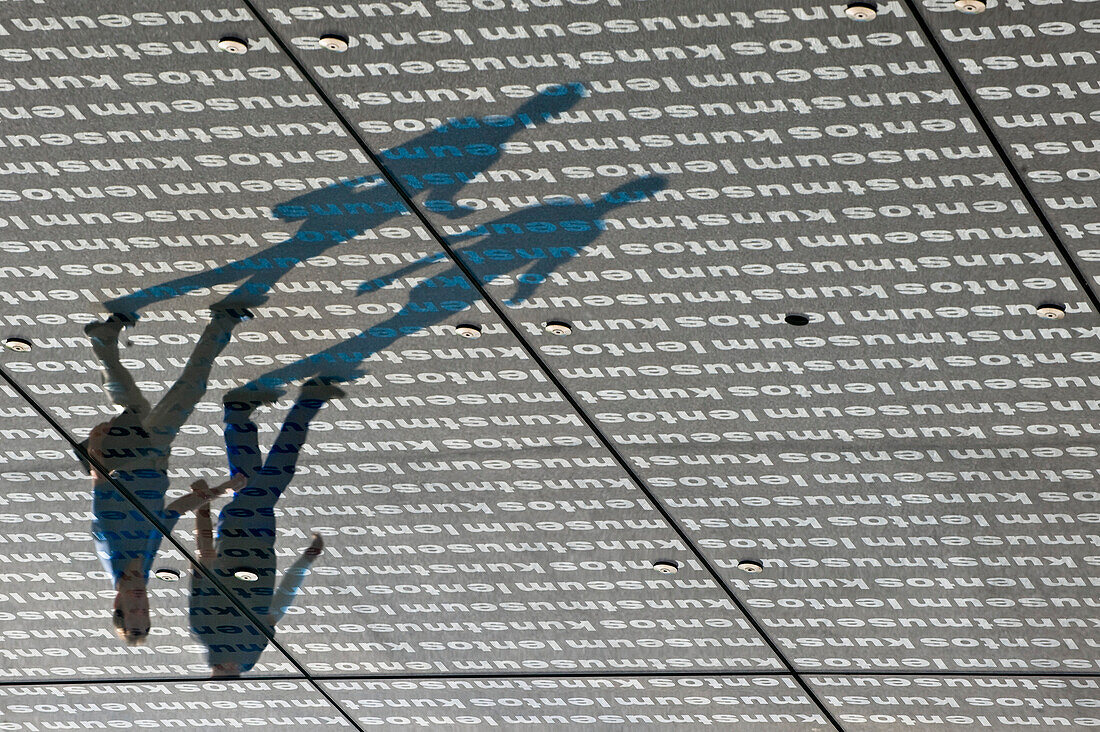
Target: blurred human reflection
x: 132, y: 450
x: 241, y: 554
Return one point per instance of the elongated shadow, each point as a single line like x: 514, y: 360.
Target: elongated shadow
x: 439, y: 163
x: 527, y: 245
x: 435, y: 167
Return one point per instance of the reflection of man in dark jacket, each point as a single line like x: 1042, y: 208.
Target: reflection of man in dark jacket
x: 242, y: 552
x: 133, y: 450
x: 537, y: 240
x: 338, y: 213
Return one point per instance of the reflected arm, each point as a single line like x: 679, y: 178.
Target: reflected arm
x: 379, y: 282
x: 202, y: 494
x: 204, y: 535
x: 95, y: 450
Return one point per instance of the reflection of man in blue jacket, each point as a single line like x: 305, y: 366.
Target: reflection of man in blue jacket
x: 242, y: 554
x: 133, y: 450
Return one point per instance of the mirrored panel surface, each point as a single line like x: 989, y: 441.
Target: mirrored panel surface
x: 861, y: 559
x: 290, y: 705
x: 1028, y: 68
x: 458, y: 501
x: 696, y: 702
x: 426, y: 347
x: 958, y: 703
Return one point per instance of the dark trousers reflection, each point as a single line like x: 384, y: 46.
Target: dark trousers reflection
x: 241, y: 553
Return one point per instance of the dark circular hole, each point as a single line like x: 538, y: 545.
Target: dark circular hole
x: 796, y: 319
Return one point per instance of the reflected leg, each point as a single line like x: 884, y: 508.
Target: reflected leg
x: 283, y: 456
x: 252, y: 510
x: 176, y: 406
x: 241, y: 441
x: 117, y: 380
x: 293, y: 578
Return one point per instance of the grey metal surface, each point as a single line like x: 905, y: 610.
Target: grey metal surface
x: 659, y: 702
x: 288, y: 704
x: 960, y: 702
x: 913, y: 463
x: 1027, y: 67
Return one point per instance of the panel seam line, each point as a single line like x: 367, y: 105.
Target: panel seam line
x: 1006, y: 160
x: 532, y: 353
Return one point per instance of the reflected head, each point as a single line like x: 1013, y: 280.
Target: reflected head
x: 134, y: 635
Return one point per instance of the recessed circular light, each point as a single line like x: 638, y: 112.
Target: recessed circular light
x: 244, y: 574
x: 233, y: 44
x: 19, y: 345
x: 797, y: 319
x: 970, y: 7
x: 558, y: 328
x: 861, y: 11
x: 167, y: 574
x: 334, y: 42
x: 666, y: 566
x: 750, y: 565
x: 466, y: 330
x: 1051, y: 311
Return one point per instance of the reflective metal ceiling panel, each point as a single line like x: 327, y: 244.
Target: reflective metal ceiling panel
x: 442, y: 328
x: 956, y: 703
x: 686, y: 702
x: 909, y: 559
x: 1030, y: 69
x: 461, y: 502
